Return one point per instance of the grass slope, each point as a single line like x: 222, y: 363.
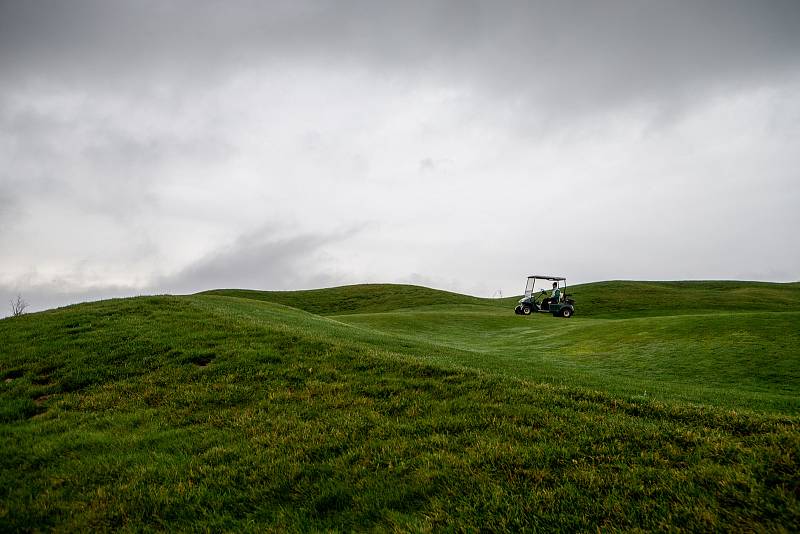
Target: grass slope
x: 362, y: 298
x: 628, y: 299
x: 225, y: 413
x: 614, y: 299
x: 663, y: 339
x: 735, y: 360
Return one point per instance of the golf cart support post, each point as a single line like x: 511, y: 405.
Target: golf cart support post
x: 533, y: 301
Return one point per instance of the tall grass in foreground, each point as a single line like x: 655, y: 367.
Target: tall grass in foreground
x: 215, y: 413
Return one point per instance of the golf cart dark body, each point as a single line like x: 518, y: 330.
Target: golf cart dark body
x: 539, y: 301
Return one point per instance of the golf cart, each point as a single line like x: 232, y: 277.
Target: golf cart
x: 537, y: 299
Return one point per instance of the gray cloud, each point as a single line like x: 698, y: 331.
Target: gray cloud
x: 258, y: 260
x: 579, y: 56
x: 8, y: 210
x: 98, y: 157
x: 54, y: 296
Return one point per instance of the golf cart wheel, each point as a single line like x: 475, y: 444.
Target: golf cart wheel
x: 566, y: 313
x: 526, y: 310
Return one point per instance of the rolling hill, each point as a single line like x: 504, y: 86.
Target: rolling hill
x: 361, y: 298
x: 599, y: 299
x: 661, y: 405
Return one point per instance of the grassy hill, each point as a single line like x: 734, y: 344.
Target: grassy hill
x: 599, y: 299
x: 666, y: 340
x: 363, y: 298
x: 626, y: 298
x: 402, y: 408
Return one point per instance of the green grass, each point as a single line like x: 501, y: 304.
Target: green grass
x: 363, y: 298
x: 638, y: 299
x: 740, y: 361
x: 403, y: 409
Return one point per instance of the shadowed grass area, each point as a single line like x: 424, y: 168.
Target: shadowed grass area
x: 219, y: 413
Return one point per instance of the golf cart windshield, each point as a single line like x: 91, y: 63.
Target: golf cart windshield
x: 529, y: 287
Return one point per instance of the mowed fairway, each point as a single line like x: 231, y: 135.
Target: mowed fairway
x: 659, y: 406
x: 736, y: 360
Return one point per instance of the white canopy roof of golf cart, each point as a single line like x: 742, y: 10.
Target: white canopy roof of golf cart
x: 556, y: 278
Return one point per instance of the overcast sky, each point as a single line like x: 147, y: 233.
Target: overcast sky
x: 157, y: 146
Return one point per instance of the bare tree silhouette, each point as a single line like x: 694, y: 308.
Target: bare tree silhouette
x: 18, y: 306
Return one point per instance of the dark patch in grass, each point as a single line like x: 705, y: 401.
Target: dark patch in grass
x: 13, y: 374
x: 336, y: 500
x: 199, y: 357
x: 284, y: 345
x: 326, y: 452
x: 200, y: 360
x: 153, y: 398
x: 45, y: 380
x: 428, y: 371
x: 270, y: 359
x: 41, y: 399
x: 75, y: 381
x: 18, y: 410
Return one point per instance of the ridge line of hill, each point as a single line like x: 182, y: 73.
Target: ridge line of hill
x: 596, y: 299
